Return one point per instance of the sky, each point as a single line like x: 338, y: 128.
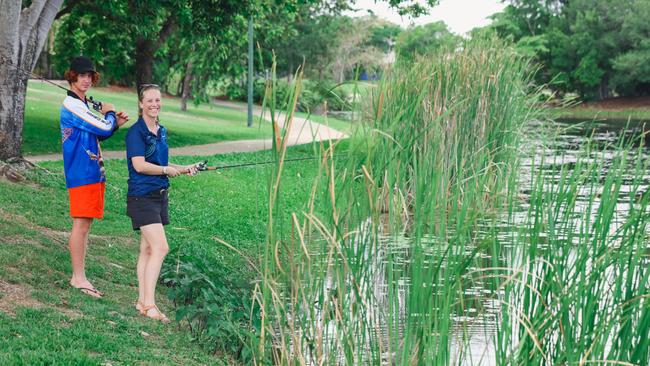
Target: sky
x: 459, y: 15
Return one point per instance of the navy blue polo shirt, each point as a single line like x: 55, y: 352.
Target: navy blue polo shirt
x: 141, y: 142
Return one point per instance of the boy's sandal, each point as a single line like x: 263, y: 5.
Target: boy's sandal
x: 160, y: 316
x: 93, y: 292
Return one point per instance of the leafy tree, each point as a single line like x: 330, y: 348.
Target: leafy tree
x: 105, y: 28
x: 594, y: 34
x: 383, y: 35
x: 597, y: 48
x: 632, y: 65
x: 135, y: 31
x: 424, y: 39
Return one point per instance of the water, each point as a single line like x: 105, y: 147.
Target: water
x: 388, y: 270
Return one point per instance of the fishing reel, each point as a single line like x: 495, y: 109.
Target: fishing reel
x: 97, y: 105
x: 203, y: 166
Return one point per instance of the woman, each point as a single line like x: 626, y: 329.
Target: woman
x: 81, y: 131
x: 147, y: 201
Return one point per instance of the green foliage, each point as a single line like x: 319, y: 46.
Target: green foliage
x: 90, y: 34
x: 596, y: 48
x: 313, y: 96
x: 425, y: 40
x: 214, y: 300
x: 383, y: 35
x: 632, y: 66
x: 588, y: 73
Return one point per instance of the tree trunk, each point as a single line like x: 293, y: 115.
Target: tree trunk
x: 144, y: 51
x: 186, y: 85
x: 290, y: 73
x: 22, y: 35
x: 12, y: 112
x: 603, y: 88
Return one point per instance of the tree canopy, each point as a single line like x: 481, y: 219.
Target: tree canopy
x: 596, y: 48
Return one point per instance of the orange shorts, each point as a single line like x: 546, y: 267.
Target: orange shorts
x: 87, y: 201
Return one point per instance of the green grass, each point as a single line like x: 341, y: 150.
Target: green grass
x: 199, y: 125
x: 69, y: 328
x: 335, y: 123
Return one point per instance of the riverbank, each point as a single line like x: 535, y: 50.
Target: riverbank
x: 635, y: 109
x: 40, y: 315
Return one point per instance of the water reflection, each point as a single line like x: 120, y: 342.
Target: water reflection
x: 464, y: 305
x: 476, y: 321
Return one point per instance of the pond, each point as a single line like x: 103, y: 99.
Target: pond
x: 476, y: 300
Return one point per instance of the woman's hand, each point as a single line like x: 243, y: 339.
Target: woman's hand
x: 172, y: 172
x: 191, y: 170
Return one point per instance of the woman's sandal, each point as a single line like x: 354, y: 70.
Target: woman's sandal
x: 139, y: 306
x: 160, y: 316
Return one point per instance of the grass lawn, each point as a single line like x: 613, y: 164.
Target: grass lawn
x: 199, y: 125
x: 44, y: 321
x: 335, y: 123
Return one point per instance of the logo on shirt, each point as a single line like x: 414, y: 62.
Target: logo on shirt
x: 92, y: 155
x: 97, y: 118
x: 65, y: 133
x: 150, y: 148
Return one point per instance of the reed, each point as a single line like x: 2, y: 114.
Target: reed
x: 406, y: 244
x: 579, y: 293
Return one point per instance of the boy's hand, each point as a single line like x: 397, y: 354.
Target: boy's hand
x: 122, y: 118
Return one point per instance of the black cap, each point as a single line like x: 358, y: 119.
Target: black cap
x: 82, y: 65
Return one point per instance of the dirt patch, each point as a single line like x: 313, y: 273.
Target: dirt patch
x: 13, y: 295
x: 619, y: 103
x: 21, y: 240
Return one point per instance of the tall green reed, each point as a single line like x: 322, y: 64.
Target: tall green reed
x: 382, y: 264
x: 436, y: 156
x: 580, y: 292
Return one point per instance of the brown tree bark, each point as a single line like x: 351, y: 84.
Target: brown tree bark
x: 22, y: 36
x: 186, y: 85
x: 145, y: 50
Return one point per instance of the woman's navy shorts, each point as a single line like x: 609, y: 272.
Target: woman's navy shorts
x: 149, y: 209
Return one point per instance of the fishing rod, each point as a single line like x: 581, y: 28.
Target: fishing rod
x: 97, y: 105
x: 203, y: 166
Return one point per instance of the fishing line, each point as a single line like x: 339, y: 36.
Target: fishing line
x: 203, y: 165
x: 97, y: 105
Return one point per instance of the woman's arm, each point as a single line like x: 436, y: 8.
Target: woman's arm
x: 146, y: 168
x: 185, y: 169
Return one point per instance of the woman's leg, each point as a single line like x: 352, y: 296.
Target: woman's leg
x: 154, y: 235
x: 78, y: 243
x: 145, y: 254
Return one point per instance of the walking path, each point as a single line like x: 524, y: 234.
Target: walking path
x: 302, y: 131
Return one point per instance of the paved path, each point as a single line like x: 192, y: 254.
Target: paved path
x: 302, y: 132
